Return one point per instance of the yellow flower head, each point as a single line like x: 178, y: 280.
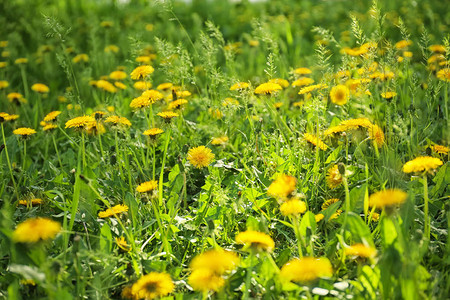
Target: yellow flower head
x: 239, y: 86
x: 111, y: 49
x: 3, y: 84
x: 122, y: 244
x: 8, y: 117
x: 50, y: 117
x: 360, y: 250
x: 218, y: 261
x: 152, y: 96
x: 32, y: 202
x: 437, y: 48
x: 388, y: 95
x: 152, y: 285
x: 440, y: 149
x: 167, y: 115
x: 376, y: 134
x: 303, y: 81
x: 421, y: 164
x: 80, y: 122
x: 141, y: 72
x: 177, y: 103
x: 315, y: 141
x: 21, y: 61
x: 140, y: 102
x: 113, y: 211
x: 282, y: 82
x: 118, y: 120
x: 283, y: 186
x: 334, y: 177
x: 329, y: 202
x: 204, y: 280
x: 388, y: 197
x: 312, y: 88
x: 200, y: 156
x: 118, y: 75
x: 142, y: 85
x: 306, y: 269
x: 403, y: 44
x: 164, y: 86
x: 16, y: 97
x: 83, y: 57
x: 339, y: 94
x: 293, y: 207
x: 48, y: 127
x: 444, y: 74
x: 302, y: 71
x: 219, y: 140
x: 24, y: 131
x: 319, y: 217
x: 153, y: 132
x: 36, y: 229
x: 267, y: 88
x: 147, y: 186
x: 120, y: 85
x: 255, y: 240
x: 40, y: 88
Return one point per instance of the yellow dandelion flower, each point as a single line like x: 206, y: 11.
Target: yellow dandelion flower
x: 282, y: 82
x: 388, y: 95
x: 360, y: 250
x: 306, y: 269
x: 120, y: 85
x: 339, y: 94
x: 421, y: 164
x: 312, y: 88
x: 444, y: 74
x: 315, y: 141
x: 239, y: 86
x: 382, y: 75
x: 113, y: 211
x: 255, y: 240
x: 204, y: 280
x: 153, y: 132
x: 167, y: 115
x: 49, y: 127
x: 267, y: 88
x: 253, y: 43
x: 21, y: 61
x: 179, y: 94
x: 303, y: 81
x: 24, y: 131
x: 177, y: 103
x: 8, y: 117
x: 375, y: 217
x: 356, y: 123
x: 152, y: 285
x: 118, y: 120
x: 111, y: 49
x: 4, y: 44
x: 376, y: 134
x: 16, y: 98
x: 407, y: 54
x: 319, y: 217
x: 141, y: 72
x: 145, y: 59
x: 149, y: 27
x: 328, y: 202
x: 51, y: 116
x: 122, y: 244
x: 142, y: 85
x: 403, y: 44
x: 107, y: 24
x: 140, y: 102
x: 3, y: 84
x: 388, y: 197
x: 335, y: 215
x: 3, y: 64
x: 200, y: 156
x: 334, y: 177
x: 302, y: 71
x: 36, y: 229
x: 80, y: 122
x: 152, y: 96
x: 440, y: 149
x: 283, y: 186
x: 32, y: 202
x: 147, y: 186
x: 219, y: 140
x: 293, y: 207
x: 118, y: 75
x: 437, y: 48
x: 83, y: 57
x: 218, y: 261
x: 230, y: 102
x: 164, y: 86
x: 277, y: 105
x: 106, y: 86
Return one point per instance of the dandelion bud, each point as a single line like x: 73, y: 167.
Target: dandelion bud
x: 341, y: 168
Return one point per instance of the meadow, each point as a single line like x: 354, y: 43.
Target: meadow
x: 224, y: 149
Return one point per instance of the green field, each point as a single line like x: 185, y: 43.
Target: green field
x: 224, y: 149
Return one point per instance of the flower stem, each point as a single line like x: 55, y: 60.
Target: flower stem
x: 248, y: 278
x: 9, y: 163
x: 295, y: 223
x: 425, y: 209
x: 57, y: 152
x: 24, y: 158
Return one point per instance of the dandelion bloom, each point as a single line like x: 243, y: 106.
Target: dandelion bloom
x: 315, y: 141
x: 122, y: 244
x: 200, y: 156
x: 118, y: 75
x: 80, y: 122
x: 306, y: 269
x: 293, y: 207
x: 118, y: 120
x: 36, y: 229
x: 152, y: 285
x: 422, y: 163
x: 164, y: 86
x: 302, y: 71
x: 81, y: 57
x: 388, y: 95
x: 106, y: 86
x: 239, y: 86
x: 334, y: 177
x: 51, y: 116
x: 440, y: 149
x: 388, y: 197
x: 319, y: 217
x: 48, y: 127
x: 360, y: 250
x: 437, y: 48
x: 403, y: 44
x: 167, y: 115
x: 140, y: 102
x: 204, y: 280
x: 339, y: 94
x: 141, y: 72
x: 283, y: 186
x: 179, y: 94
x: 112, y: 48
x: 142, y: 85
x: 268, y: 88
x: 376, y: 134
x: 153, y: 132
x: 113, y: 211
x: 3, y: 84
x: 3, y: 64
x: 24, y: 131
x: 256, y: 240
x: 282, y: 82
x: 329, y: 202
x: 147, y: 186
x: 177, y: 103
x: 120, y: 85
x: 152, y: 96
x: 21, y: 61
x: 218, y: 261
x: 16, y: 97
x: 40, y: 88
x: 444, y: 74
x: 312, y: 88
x: 32, y: 202
x: 219, y: 140
x: 303, y: 81
x: 8, y: 117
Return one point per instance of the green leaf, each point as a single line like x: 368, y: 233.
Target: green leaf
x: 308, y: 221
x: 358, y: 229
x: 105, y: 238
